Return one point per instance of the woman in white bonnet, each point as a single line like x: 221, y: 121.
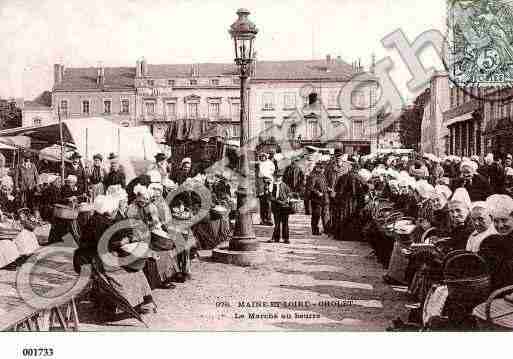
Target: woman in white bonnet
x: 125, y: 280
x: 483, y: 224
x: 497, y: 250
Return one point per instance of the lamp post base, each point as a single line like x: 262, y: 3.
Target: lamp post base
x: 246, y: 258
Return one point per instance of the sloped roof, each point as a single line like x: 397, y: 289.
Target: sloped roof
x: 123, y: 77
x: 85, y: 78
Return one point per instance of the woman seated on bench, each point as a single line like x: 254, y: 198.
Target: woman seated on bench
x: 124, y: 279
x: 497, y: 250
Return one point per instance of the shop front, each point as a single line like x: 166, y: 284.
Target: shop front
x: 499, y: 137
x: 465, y: 134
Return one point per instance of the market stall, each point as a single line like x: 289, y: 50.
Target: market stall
x: 135, y: 146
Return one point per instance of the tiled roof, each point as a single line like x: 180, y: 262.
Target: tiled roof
x: 123, y: 77
x: 84, y: 78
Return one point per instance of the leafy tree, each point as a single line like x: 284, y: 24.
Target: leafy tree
x: 411, y: 121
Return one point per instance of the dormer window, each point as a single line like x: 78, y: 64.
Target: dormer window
x: 312, y: 98
x: 214, y: 82
x: 151, y: 82
x: 170, y: 82
x: 193, y: 82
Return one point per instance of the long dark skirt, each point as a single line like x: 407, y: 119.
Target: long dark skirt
x: 62, y: 227
x: 133, y: 286
x: 162, y: 269
x: 212, y: 232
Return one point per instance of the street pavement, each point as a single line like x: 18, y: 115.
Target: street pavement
x: 313, y: 283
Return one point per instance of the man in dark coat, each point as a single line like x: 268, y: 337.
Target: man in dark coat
x: 280, y: 208
x: 319, y: 199
x: 76, y: 169
x: 494, y: 173
x: 185, y: 171
x: 116, y: 175
x: 26, y: 180
x: 337, y: 168
x: 294, y: 177
x: 476, y: 185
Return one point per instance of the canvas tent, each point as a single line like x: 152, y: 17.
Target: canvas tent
x: 88, y: 136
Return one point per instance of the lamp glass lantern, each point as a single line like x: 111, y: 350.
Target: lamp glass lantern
x: 243, y: 33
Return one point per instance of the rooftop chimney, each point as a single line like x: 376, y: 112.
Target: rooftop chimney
x: 57, y: 74
x: 100, y: 80
x: 144, y: 67
x: 328, y: 58
x: 138, y: 69
x: 339, y: 59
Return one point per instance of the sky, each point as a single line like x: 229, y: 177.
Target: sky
x: 35, y: 34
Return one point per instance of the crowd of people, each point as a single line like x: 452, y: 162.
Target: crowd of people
x: 429, y: 220
x: 432, y: 222
x: 148, y: 220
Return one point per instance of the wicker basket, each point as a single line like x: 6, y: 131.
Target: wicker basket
x: 65, y: 212
x: 467, y: 277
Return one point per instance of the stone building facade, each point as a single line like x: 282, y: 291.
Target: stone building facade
x: 301, y: 94
x: 464, y: 121
x: 435, y: 136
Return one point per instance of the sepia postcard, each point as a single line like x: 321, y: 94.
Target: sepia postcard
x: 258, y: 166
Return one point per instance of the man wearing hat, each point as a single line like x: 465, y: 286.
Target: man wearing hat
x: 162, y: 165
x: 319, y: 199
x: 294, y: 177
x: 25, y: 179
x: 336, y: 169
x: 116, y: 175
x: 76, y: 169
x: 96, y: 176
x: 280, y: 208
x: 264, y: 173
x: 184, y: 172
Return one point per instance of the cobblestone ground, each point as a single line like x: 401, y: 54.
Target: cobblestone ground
x: 320, y: 284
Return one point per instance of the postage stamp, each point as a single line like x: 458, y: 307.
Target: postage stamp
x: 480, y: 43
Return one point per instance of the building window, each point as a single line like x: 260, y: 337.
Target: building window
x: 332, y: 99
x: 214, y: 82
x: 125, y: 106
x: 235, y: 111
x: 358, y: 99
x: 214, y: 110
x: 292, y: 131
x: 64, y: 107
x: 268, y: 101
x: 106, y: 106
x: 289, y: 100
x: 268, y: 124
x: 150, y: 107
x: 312, y: 98
x: 171, y: 110
x: 358, y: 130
x: 192, y: 110
x: 151, y: 82
x: 36, y: 121
x: 313, y: 129
x: 193, y: 82
x: 236, y: 130
x: 85, y: 107
x: 170, y: 82
x: 451, y: 91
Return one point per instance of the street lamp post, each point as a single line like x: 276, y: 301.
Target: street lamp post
x: 243, y: 33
